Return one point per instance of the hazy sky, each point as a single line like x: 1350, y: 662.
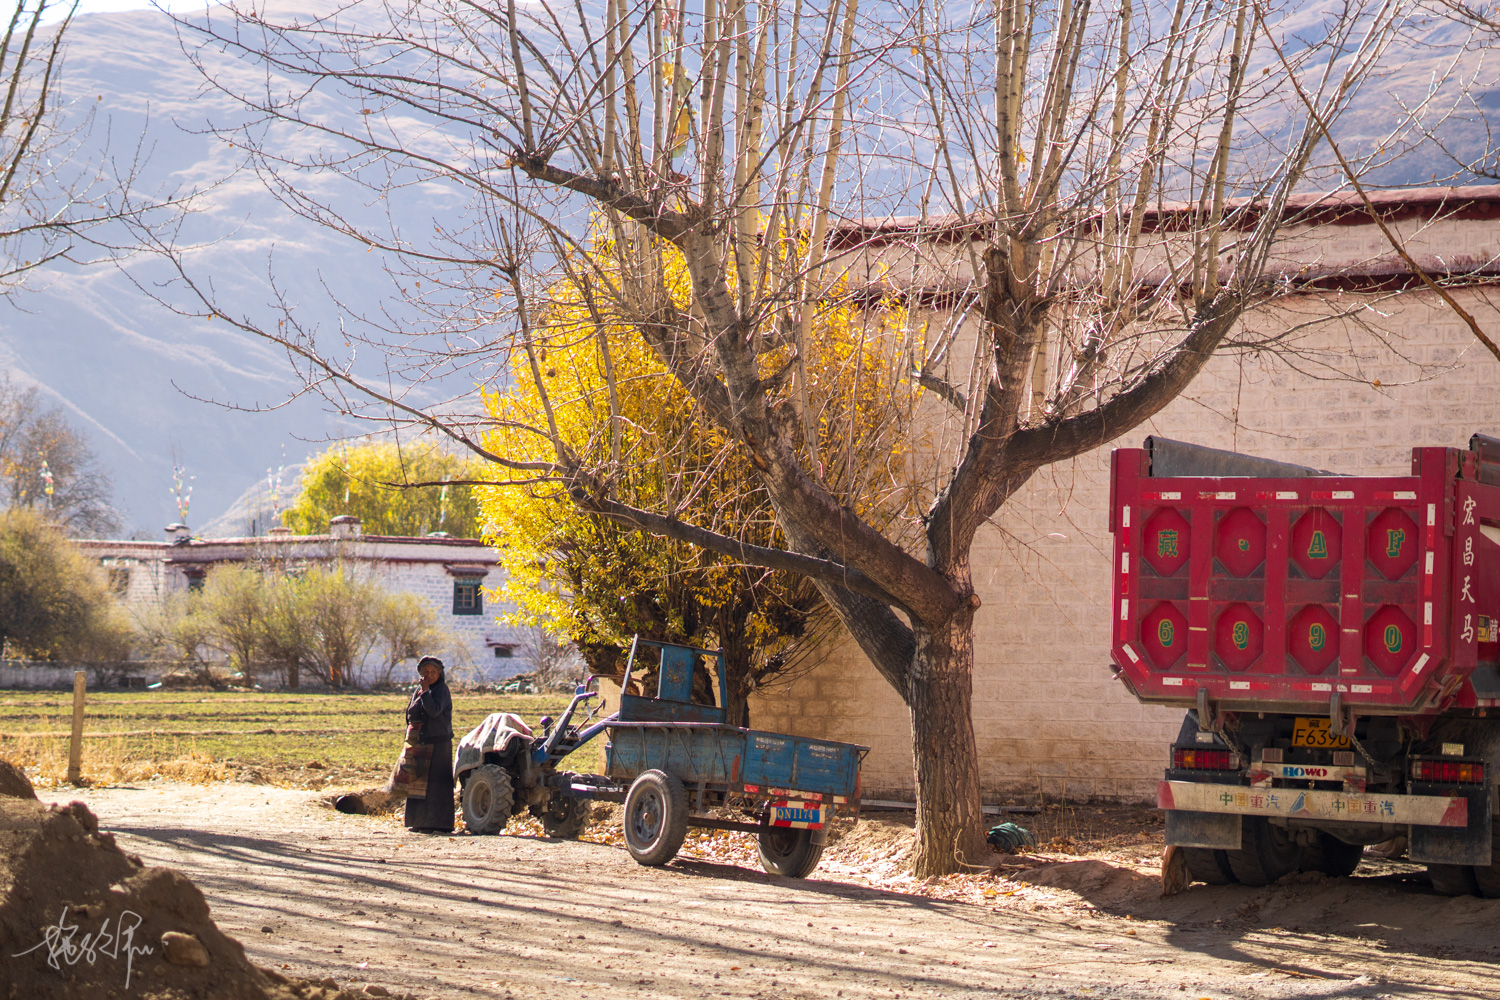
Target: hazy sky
x: 59, y: 8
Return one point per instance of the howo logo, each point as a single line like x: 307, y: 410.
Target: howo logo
x: 1304, y: 772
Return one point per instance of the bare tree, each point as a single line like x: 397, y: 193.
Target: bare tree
x: 176, y: 628
x: 47, y: 465
x: 30, y: 66
x: 57, y: 204
x: 407, y: 628
x: 1095, y: 191
x: 554, y: 663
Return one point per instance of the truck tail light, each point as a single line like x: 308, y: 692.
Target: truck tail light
x: 1185, y: 759
x: 1448, y: 772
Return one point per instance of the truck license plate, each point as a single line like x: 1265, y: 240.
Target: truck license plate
x: 1314, y: 733
x: 798, y: 815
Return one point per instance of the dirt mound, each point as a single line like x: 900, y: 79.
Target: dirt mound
x: 874, y: 840
x: 79, y: 918
x: 1101, y: 883
x: 14, y: 783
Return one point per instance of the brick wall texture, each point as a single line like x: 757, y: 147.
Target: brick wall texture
x: 1050, y: 719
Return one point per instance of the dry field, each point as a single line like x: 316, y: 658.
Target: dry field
x: 305, y: 740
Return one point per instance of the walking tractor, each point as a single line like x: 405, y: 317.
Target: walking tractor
x: 671, y: 760
x: 1337, y: 640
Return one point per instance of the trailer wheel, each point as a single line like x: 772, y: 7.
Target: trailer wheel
x: 1270, y: 853
x: 789, y: 852
x: 487, y: 799
x: 1332, y: 856
x: 656, y: 812
x: 565, y: 817
x: 1453, y: 880
x: 1204, y: 864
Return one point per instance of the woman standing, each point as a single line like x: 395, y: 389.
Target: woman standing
x: 428, y: 757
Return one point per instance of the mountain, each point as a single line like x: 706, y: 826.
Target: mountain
x: 152, y: 387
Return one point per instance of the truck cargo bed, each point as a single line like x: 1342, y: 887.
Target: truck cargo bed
x: 1307, y: 589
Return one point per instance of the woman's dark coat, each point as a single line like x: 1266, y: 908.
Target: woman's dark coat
x: 432, y: 710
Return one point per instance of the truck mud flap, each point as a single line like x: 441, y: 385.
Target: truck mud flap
x: 1221, y: 831
x: 1468, y: 845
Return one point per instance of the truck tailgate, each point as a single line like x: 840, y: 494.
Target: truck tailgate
x: 1279, y: 594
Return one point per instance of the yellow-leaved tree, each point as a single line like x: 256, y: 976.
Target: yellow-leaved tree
x: 377, y: 483
x: 595, y: 582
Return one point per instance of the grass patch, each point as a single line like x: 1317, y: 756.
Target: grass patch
x: 191, y: 735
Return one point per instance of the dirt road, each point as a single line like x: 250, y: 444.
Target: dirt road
x: 361, y: 900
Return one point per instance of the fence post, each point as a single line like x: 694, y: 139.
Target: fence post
x: 75, y: 745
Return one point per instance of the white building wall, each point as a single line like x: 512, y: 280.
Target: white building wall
x: 1049, y: 718
x: 426, y: 567
x: 474, y: 637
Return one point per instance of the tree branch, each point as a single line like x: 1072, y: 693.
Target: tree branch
x: 822, y: 570
x: 1061, y: 439
x: 1359, y: 189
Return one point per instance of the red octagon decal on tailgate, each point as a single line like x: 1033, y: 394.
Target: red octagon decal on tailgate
x: 1392, y: 544
x: 1317, y: 544
x: 1390, y: 640
x: 1313, y: 639
x: 1165, y: 542
x: 1164, y: 634
x: 1238, y: 635
x: 1240, y: 542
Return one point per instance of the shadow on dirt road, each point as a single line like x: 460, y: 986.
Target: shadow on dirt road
x: 361, y: 900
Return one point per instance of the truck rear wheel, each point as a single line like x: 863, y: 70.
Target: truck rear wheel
x: 1205, y: 864
x: 1487, y: 877
x: 1270, y: 853
x: 487, y: 799
x: 1332, y: 856
x: 656, y: 813
x: 1453, y: 880
x: 789, y: 852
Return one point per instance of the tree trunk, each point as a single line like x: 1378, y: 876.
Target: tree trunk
x: 293, y: 675
x: 950, y: 824
x: 737, y: 673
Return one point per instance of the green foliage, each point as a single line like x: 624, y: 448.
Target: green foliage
x: 618, y: 410
x: 331, y: 622
x: 54, y: 603
x: 369, y: 482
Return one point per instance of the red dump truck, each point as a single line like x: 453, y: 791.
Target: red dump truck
x: 1335, y: 639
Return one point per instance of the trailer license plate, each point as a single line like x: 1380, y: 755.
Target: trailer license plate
x: 799, y: 815
x: 1314, y: 733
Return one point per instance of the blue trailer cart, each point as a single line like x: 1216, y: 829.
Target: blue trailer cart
x: 672, y: 761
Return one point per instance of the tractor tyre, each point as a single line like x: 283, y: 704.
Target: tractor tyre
x: 789, y: 852
x: 1204, y: 864
x: 564, y: 818
x: 487, y: 800
x: 1269, y: 854
x: 1453, y: 880
x: 656, y: 814
x: 1332, y: 856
